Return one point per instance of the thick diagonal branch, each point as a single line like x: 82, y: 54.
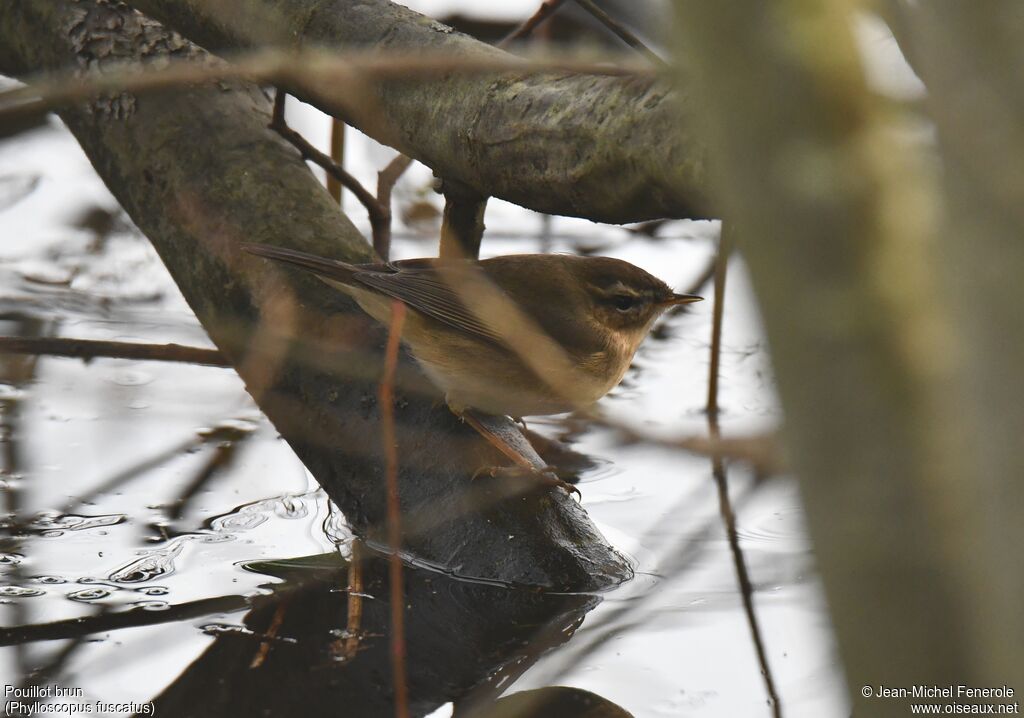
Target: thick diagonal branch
x: 604, y: 148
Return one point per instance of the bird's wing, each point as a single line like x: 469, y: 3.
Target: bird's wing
x: 413, y: 281
x: 327, y: 268
x: 423, y: 288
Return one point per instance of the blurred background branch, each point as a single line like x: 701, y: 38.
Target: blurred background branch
x: 972, y: 61
x: 838, y: 214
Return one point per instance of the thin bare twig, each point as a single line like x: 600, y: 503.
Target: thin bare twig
x: 394, y: 511
x: 337, y: 156
x: 672, y: 565
x: 718, y: 311
x: 93, y: 348
x: 354, y: 622
x: 546, y: 10
x: 386, y: 180
x: 622, y: 32
x: 761, y: 451
x: 718, y: 471
x: 270, y: 634
x: 380, y: 216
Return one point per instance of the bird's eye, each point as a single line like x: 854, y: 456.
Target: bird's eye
x: 623, y: 302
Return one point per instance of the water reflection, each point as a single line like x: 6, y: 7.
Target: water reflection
x: 463, y: 641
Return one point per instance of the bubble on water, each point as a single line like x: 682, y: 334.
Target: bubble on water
x: 49, y: 579
x: 153, y: 590
x: 20, y: 591
x: 214, y: 537
x: 11, y: 559
x: 152, y: 605
x: 89, y: 594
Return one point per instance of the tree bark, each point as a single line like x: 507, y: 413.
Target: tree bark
x: 837, y: 220
x: 972, y: 61
x: 199, y: 172
x: 604, y: 148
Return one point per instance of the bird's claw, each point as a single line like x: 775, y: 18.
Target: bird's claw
x: 545, y: 476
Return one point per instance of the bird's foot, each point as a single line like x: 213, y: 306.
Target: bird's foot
x: 545, y: 477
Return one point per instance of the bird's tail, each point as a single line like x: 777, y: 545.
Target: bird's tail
x: 329, y: 269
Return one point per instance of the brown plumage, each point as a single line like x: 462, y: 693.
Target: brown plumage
x: 596, y: 309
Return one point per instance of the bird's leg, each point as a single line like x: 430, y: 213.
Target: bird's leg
x: 523, y: 464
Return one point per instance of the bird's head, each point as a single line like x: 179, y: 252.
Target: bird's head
x: 623, y: 297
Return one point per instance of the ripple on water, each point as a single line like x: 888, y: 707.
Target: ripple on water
x: 130, y: 377
x: 149, y: 566
x: 248, y: 517
x: 782, y: 530
x: 52, y: 525
x: 152, y: 605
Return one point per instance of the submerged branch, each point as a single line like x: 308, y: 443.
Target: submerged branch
x: 95, y: 348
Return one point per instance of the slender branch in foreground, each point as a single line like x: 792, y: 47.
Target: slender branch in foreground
x: 761, y: 451
x: 380, y: 216
x: 394, y: 511
x: 622, y: 32
x: 721, y: 267
x: 718, y: 471
x: 52, y: 91
x: 94, y: 348
x: 546, y: 10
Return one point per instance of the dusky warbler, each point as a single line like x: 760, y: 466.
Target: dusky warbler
x: 516, y: 335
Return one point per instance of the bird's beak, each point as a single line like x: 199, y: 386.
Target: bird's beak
x: 680, y: 299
